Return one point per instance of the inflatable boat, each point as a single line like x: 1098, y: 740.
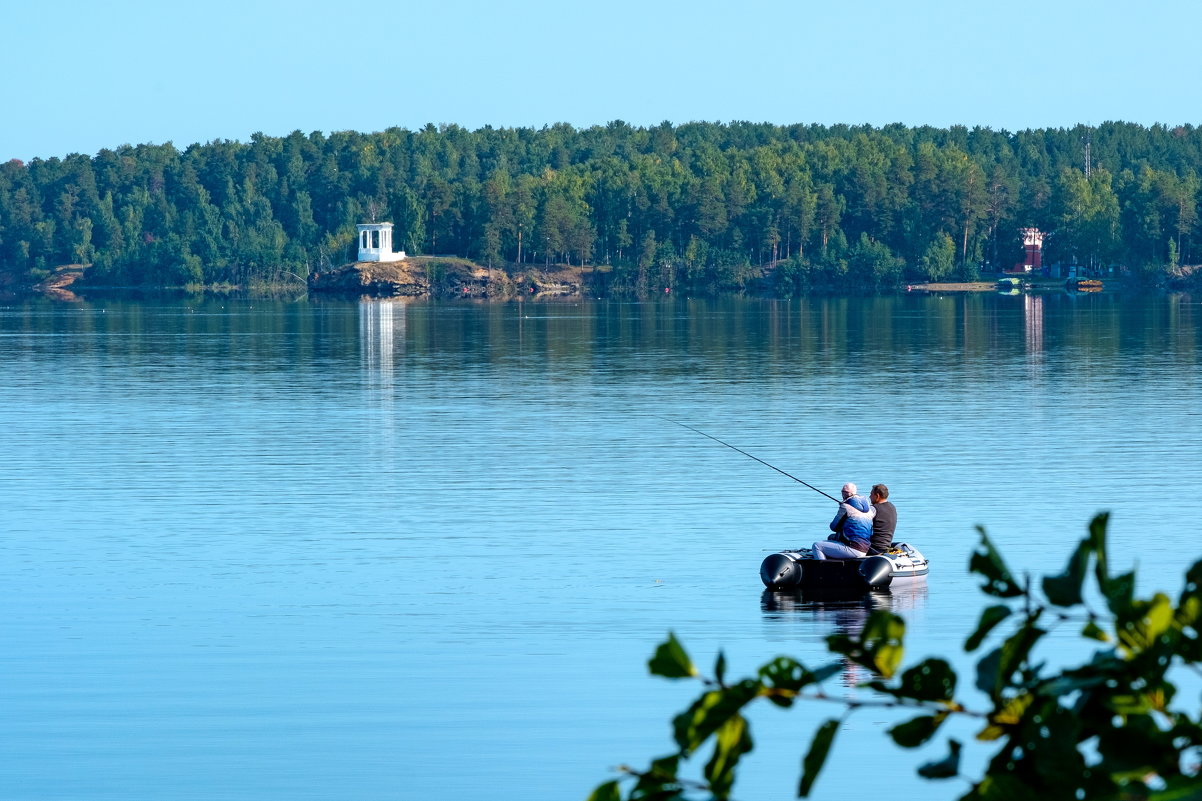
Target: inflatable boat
x: 800, y: 569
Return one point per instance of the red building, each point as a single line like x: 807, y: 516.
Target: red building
x: 1032, y: 251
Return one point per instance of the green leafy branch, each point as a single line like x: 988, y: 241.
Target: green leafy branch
x: 1103, y: 729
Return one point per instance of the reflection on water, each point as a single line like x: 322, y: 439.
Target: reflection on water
x: 1033, y: 322
x: 381, y: 332
x: 842, y: 611
x: 381, y: 343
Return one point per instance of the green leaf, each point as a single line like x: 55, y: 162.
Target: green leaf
x: 879, y: 646
x: 1095, y: 632
x: 1189, y: 611
x: 710, y: 712
x: 946, y: 768
x: 1009, y: 657
x: 1136, y: 748
x: 1129, y: 704
x: 815, y: 758
x: 789, y: 675
x: 671, y: 661
x: 731, y: 742
x: 987, y: 562
x: 1144, y: 622
x: 785, y: 674
x: 1007, y: 718
x: 917, y: 731
x: 606, y: 792
x: 1050, y: 734
x: 987, y: 671
x: 1193, y: 581
x: 666, y: 766
x: 887, y: 659
x: 1159, y: 616
x: 1071, y: 681
x: 720, y: 668
x: 1065, y: 589
x: 1097, y: 538
x: 1016, y: 649
x: 989, y: 619
x: 1120, y: 589
x: 1186, y: 622
x: 1119, y: 592
x: 660, y: 781
x: 1002, y: 787
x: 929, y: 680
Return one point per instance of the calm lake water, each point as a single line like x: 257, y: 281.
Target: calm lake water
x: 386, y: 550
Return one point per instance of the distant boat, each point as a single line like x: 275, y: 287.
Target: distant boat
x: 1084, y: 284
x: 1011, y: 285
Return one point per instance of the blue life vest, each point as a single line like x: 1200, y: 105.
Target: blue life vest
x: 856, y: 531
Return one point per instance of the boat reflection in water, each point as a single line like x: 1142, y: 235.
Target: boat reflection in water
x: 827, y: 610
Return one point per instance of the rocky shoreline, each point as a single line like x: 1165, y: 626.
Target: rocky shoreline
x: 447, y: 277
x: 450, y: 277
x: 414, y: 277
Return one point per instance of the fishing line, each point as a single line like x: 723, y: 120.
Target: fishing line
x: 749, y: 456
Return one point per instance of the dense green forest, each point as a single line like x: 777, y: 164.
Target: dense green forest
x: 701, y: 206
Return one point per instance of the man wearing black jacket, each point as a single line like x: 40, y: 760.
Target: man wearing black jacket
x: 885, y: 521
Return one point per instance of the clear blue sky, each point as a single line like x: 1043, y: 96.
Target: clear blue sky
x: 80, y: 76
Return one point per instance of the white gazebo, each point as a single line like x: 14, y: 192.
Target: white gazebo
x: 375, y: 243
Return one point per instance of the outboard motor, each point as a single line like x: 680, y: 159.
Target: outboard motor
x: 877, y: 571
x: 778, y: 570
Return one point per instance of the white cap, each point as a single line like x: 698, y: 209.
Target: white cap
x: 849, y: 489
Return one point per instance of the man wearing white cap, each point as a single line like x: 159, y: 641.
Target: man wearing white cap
x: 852, y: 528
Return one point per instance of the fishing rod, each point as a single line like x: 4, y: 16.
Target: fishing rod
x: 748, y: 455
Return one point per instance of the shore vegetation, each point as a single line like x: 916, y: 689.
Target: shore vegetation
x: 700, y: 208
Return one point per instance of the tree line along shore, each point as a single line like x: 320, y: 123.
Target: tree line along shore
x: 698, y: 208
